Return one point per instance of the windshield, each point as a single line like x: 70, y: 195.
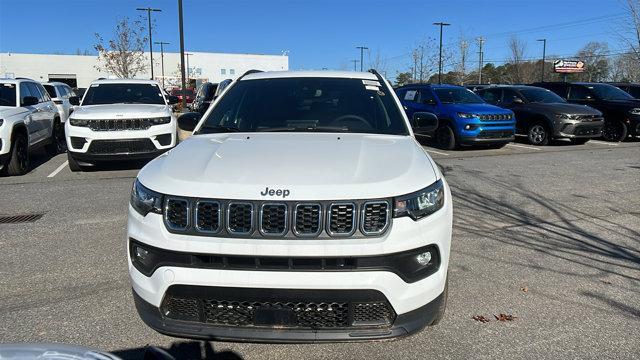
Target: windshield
x: 50, y: 90
x: 536, y: 95
x: 609, y: 92
x: 8, y: 94
x: 457, y: 96
x: 102, y: 94
x: 307, y: 104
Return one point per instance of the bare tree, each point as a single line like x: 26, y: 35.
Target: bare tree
x: 123, y: 56
x: 594, y: 55
x: 625, y: 68
x: 461, y: 66
x: 425, y: 59
x: 378, y: 62
x: 517, y: 50
x: 630, y: 29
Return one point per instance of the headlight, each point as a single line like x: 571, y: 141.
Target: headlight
x: 78, y: 122
x: 145, y: 200
x: 635, y: 111
x: 160, y: 120
x: 563, y: 116
x: 420, y: 203
x: 466, y: 115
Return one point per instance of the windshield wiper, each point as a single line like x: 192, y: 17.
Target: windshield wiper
x: 305, y: 128
x: 216, y: 129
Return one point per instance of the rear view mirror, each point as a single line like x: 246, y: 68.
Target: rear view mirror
x: 29, y: 101
x: 424, y: 122
x: 188, y: 121
x: 74, y: 100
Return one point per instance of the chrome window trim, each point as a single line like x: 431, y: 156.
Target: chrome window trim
x: 320, y: 222
x: 363, y: 214
x: 229, y: 214
x: 166, y: 207
x: 354, y: 218
x: 286, y: 219
x: 195, y: 216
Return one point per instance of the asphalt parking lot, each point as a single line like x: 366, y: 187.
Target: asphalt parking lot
x: 548, y: 235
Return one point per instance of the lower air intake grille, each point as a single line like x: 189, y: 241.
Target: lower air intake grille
x: 176, y: 213
x: 240, y: 218
x: 134, y: 146
x: 375, y: 217
x: 341, y: 219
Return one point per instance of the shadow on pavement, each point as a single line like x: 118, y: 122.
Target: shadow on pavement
x: 183, y: 350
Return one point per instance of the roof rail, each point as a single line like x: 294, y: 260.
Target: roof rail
x: 249, y: 72
x: 23, y: 78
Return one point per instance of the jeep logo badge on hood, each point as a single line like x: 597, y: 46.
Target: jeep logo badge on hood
x: 272, y: 192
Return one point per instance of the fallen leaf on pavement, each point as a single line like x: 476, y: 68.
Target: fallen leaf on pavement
x: 481, y: 319
x: 504, y: 317
x: 524, y: 289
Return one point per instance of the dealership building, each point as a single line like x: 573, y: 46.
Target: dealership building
x: 80, y: 70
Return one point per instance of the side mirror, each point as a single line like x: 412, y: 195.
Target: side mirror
x: 29, y: 101
x: 424, y: 122
x: 173, y: 99
x: 188, y: 121
x: 74, y: 100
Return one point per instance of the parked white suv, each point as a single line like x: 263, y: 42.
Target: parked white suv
x: 302, y: 209
x: 60, y: 94
x: 28, y: 121
x: 120, y: 120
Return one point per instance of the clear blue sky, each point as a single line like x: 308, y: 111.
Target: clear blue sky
x: 318, y: 33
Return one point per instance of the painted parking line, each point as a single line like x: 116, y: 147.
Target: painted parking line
x: 603, y: 143
x: 437, y: 152
x: 56, y: 171
x: 524, y: 146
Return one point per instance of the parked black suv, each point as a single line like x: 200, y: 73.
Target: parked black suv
x: 629, y: 88
x: 542, y: 115
x: 621, y: 111
x: 204, y: 97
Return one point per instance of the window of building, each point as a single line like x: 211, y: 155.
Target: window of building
x: 232, y: 71
x: 223, y: 71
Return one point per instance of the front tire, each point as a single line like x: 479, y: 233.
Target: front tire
x: 19, y: 160
x: 615, y: 131
x: 74, y: 166
x: 446, y: 138
x: 58, y: 143
x: 538, y: 134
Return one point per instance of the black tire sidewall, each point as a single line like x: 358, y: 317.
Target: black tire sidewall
x: 14, y: 167
x: 621, y: 134
x: 544, y: 141
x: 446, y: 137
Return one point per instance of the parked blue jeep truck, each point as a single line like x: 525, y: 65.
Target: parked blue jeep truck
x: 465, y: 119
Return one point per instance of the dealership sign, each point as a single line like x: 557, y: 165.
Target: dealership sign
x: 568, y: 66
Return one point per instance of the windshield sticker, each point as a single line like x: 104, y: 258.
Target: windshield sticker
x: 410, y: 95
x: 371, y: 82
x: 371, y: 87
x: 9, y: 85
x: 95, y: 85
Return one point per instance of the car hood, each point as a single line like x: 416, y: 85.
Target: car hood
x: 6, y: 111
x: 563, y: 108
x: 477, y: 108
x: 311, y: 166
x: 631, y: 103
x: 125, y: 111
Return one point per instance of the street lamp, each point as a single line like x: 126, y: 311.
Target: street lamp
x: 149, y: 10
x: 544, y: 55
x: 184, y: 86
x: 362, y: 49
x: 162, y: 43
x: 441, y: 24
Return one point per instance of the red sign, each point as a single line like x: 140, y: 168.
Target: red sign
x: 568, y: 66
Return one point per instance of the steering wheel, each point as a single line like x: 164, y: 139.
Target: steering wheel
x: 338, y: 120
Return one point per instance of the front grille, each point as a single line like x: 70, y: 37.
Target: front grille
x: 231, y: 218
x: 302, y: 309
x: 240, y: 218
x: 176, y: 213
x: 375, y: 217
x: 273, y: 219
x: 119, y: 124
x: 494, y: 117
x: 112, y: 147
x: 495, y: 134
x: 341, y: 219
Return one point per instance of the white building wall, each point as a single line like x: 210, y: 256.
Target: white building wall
x: 213, y: 67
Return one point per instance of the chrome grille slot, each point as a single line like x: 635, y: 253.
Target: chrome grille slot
x: 208, y: 216
x: 176, y: 213
x: 308, y: 219
x: 375, y: 217
x: 240, y: 218
x: 273, y: 219
x: 341, y: 219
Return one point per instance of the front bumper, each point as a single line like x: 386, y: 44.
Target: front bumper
x: 403, y: 325
x: 575, y: 129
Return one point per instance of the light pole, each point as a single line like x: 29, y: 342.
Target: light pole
x: 184, y: 86
x: 362, y: 49
x: 188, y: 72
x: 480, y: 59
x: 544, y: 55
x: 442, y: 25
x: 162, y: 43
x: 149, y: 10
x: 355, y: 64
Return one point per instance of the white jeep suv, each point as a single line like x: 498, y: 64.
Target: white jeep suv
x: 302, y: 209
x: 120, y: 120
x: 61, y: 95
x: 28, y: 121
